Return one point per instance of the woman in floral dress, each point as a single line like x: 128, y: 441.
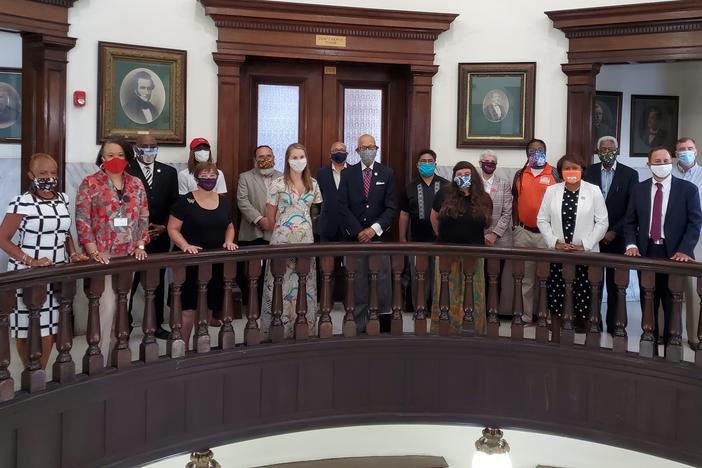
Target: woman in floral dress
x: 290, y: 198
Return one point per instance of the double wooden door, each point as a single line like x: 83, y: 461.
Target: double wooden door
x: 318, y: 104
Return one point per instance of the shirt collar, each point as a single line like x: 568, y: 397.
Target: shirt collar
x: 665, y: 182
x: 333, y: 168
x: 613, y: 168
x: 696, y: 167
x: 363, y: 166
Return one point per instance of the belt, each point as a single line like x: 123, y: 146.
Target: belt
x: 658, y: 242
x: 529, y: 228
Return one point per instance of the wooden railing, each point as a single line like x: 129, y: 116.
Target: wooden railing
x: 549, y: 339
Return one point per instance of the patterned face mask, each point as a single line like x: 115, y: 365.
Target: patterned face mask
x: 463, y: 181
x: 46, y: 184
x: 607, y: 157
x: 537, y: 159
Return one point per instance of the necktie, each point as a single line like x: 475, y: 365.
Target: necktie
x: 149, y: 175
x: 366, y: 180
x: 656, y: 220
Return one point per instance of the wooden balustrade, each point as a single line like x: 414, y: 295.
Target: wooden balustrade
x: 548, y: 329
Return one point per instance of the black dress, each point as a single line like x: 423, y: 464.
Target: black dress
x: 468, y: 228
x: 581, y: 285
x: 206, y: 229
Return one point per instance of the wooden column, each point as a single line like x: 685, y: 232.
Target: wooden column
x: 44, y: 59
x: 581, y: 94
x: 419, y: 110
x: 229, y: 119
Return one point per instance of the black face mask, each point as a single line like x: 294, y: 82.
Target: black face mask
x: 339, y: 157
x: 46, y: 184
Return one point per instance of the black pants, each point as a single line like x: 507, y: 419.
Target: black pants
x: 241, y: 277
x: 615, y: 247
x: 158, y: 300
x: 661, y: 294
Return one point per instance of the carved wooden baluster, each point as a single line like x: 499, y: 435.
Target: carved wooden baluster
x: 567, y: 331
x: 92, y: 360
x: 673, y: 349
x: 595, y: 275
x: 202, y: 330
x: 33, y: 376
x: 276, y: 331
x: 175, y: 347
x: 493, y: 321
x: 468, y: 325
x: 302, y: 327
x: 7, y: 383
x: 373, y: 327
x: 620, y: 339
x: 226, y: 337
x: 398, y: 265
x: 698, y: 349
x: 648, y: 342
x: 121, y: 354
x: 64, y: 369
x: 148, y: 349
x: 543, y: 270
x: 420, y: 308
x: 252, y: 334
x: 517, y: 329
x: 349, y: 327
x: 444, y: 299
x: 325, y: 329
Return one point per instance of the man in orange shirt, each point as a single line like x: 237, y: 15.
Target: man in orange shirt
x: 528, y: 190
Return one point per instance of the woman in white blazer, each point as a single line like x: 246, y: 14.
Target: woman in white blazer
x: 573, y: 218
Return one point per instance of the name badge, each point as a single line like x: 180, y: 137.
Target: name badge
x: 544, y: 180
x: 120, y: 222
x: 380, y: 183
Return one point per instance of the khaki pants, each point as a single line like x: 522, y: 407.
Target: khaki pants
x: 108, y: 309
x: 530, y: 240
x: 692, y: 301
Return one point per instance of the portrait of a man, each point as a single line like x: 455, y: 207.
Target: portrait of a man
x: 9, y: 105
x: 654, y: 123
x: 141, y: 96
x: 495, y: 105
x: 606, y: 116
x: 601, y: 126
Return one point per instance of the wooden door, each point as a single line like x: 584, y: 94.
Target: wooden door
x: 322, y: 92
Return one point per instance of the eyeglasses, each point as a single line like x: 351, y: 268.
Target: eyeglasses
x: 364, y: 148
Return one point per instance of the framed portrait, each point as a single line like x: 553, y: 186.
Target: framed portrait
x: 606, y: 116
x: 141, y: 89
x: 10, y: 105
x: 495, y: 104
x: 654, y: 122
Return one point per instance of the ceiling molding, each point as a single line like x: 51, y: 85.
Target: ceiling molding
x: 61, y: 3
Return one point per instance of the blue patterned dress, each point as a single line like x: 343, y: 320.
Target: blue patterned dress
x: 293, y: 225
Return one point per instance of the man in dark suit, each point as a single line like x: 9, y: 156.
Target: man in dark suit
x: 663, y: 220
x: 368, y: 206
x: 329, y: 225
x: 161, y: 184
x: 138, y: 106
x: 616, y: 182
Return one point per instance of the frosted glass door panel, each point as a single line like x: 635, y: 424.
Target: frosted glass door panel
x: 363, y: 113
x: 278, y: 119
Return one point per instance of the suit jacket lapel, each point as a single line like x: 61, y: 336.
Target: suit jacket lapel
x: 672, y: 202
x: 615, y: 182
x: 559, y: 210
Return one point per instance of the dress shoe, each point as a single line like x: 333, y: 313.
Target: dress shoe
x: 162, y: 334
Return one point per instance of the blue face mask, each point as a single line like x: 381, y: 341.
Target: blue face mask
x: 147, y: 154
x: 426, y: 169
x: 687, y: 158
x: 537, y: 159
x: 463, y: 181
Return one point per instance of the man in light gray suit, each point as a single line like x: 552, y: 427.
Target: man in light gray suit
x: 251, y: 195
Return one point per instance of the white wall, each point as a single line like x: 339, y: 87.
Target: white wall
x: 662, y: 79
x: 524, y: 34
x: 454, y: 443
x: 173, y: 24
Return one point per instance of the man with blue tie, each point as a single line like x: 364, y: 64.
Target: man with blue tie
x: 368, y: 206
x: 663, y: 221
x: 616, y: 182
x: 329, y: 223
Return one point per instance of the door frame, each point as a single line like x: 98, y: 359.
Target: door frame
x: 261, y: 28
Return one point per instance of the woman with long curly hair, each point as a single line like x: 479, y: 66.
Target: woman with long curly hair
x: 461, y: 213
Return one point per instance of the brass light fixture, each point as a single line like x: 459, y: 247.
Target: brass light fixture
x: 491, y: 450
x: 203, y: 459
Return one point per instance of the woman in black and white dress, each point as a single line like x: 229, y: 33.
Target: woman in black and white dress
x: 42, y: 221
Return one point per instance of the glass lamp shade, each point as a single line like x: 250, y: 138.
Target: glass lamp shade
x: 498, y: 460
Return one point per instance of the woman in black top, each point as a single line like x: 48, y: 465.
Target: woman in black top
x: 201, y: 220
x: 461, y: 212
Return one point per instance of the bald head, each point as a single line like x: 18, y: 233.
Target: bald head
x: 146, y: 140
x: 338, y: 147
x: 366, y: 142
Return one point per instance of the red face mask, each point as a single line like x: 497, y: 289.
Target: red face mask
x: 115, y: 165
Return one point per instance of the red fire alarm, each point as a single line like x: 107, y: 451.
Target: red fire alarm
x: 79, y: 98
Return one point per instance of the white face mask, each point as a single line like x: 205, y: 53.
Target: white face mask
x: 202, y: 155
x: 661, y: 171
x: 298, y: 165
